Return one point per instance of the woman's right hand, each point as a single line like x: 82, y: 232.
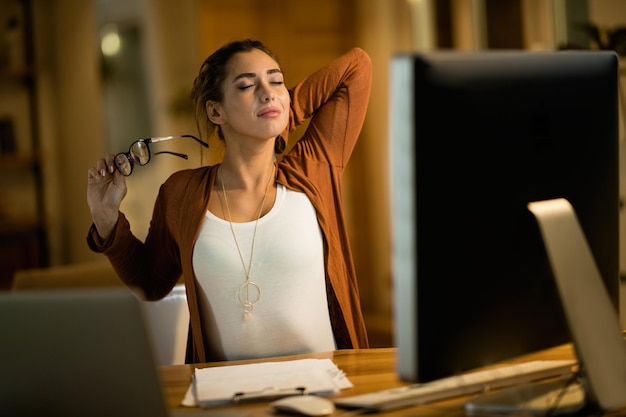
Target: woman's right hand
x: 106, y: 188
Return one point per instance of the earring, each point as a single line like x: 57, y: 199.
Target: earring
x: 279, y: 144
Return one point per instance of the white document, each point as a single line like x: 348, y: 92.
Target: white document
x: 228, y: 384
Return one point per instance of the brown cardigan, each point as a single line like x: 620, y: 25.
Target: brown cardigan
x: 335, y: 98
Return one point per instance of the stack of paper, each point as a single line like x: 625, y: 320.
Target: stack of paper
x: 228, y: 384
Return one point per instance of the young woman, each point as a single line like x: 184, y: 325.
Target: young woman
x: 262, y: 245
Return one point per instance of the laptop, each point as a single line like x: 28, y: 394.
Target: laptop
x: 77, y: 353
x: 80, y: 352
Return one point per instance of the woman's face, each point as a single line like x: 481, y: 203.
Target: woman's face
x: 255, y: 102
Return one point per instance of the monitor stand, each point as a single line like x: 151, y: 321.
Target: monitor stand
x: 593, y: 324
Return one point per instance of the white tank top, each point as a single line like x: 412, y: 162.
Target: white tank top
x: 291, y: 316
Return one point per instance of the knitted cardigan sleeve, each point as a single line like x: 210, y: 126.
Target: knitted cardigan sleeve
x: 335, y: 99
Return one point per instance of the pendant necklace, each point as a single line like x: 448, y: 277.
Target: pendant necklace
x: 248, y: 288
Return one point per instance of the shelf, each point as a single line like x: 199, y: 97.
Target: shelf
x: 21, y: 247
x: 19, y: 161
x: 23, y: 237
x: 12, y: 76
x: 19, y: 227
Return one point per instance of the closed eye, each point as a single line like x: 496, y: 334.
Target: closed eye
x: 248, y: 86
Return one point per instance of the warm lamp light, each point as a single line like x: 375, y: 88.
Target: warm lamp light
x: 110, y: 42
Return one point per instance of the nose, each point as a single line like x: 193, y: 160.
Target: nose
x: 266, y: 93
x: 267, y: 97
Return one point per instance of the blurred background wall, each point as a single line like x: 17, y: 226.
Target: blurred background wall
x: 94, y: 99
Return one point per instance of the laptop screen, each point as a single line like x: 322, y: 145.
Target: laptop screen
x: 79, y: 352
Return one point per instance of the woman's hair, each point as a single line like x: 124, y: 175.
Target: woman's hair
x: 208, y: 84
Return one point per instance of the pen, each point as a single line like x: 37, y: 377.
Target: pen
x: 268, y: 393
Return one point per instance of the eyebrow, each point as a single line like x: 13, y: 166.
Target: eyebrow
x: 253, y: 75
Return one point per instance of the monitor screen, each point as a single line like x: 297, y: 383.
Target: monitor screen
x: 475, y: 137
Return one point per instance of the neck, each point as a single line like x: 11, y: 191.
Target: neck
x: 242, y: 204
x: 251, y: 174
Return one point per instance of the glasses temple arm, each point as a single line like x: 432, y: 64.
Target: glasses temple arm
x: 180, y: 155
x: 206, y: 145
x: 159, y: 139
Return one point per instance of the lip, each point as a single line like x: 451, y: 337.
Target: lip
x: 269, y: 112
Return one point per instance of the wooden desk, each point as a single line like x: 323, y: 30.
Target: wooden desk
x: 368, y: 369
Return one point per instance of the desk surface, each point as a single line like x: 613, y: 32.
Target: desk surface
x: 368, y: 369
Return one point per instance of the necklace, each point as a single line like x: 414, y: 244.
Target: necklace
x: 248, y: 286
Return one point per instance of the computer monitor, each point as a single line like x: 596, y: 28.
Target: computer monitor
x: 475, y: 137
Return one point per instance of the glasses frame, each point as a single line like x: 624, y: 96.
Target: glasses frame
x: 131, y: 159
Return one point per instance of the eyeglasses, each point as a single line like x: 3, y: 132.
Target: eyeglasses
x: 139, y: 153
